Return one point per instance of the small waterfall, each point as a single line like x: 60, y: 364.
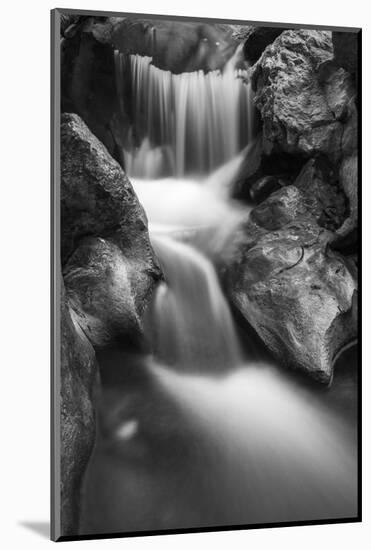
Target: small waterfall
x: 191, y: 324
x: 193, y: 121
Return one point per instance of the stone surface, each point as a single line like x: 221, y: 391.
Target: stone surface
x: 97, y: 198
x: 319, y: 183
x: 115, y: 272
x: 108, y: 292
x: 296, y: 293
x: 302, y: 107
x: 78, y: 374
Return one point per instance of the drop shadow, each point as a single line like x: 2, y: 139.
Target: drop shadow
x: 42, y: 528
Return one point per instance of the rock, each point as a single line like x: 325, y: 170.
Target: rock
x: 176, y: 46
x: 78, y: 375
x: 257, y: 39
x: 280, y: 169
x: 262, y: 188
x: 301, y: 107
x: 109, y: 278
x: 319, y: 183
x: 250, y: 170
x: 296, y: 293
x: 280, y: 208
x: 346, y: 49
x: 108, y: 292
x: 97, y: 198
x: 346, y: 235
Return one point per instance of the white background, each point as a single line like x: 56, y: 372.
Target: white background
x: 24, y: 218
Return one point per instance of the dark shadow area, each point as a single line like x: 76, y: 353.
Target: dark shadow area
x: 41, y: 528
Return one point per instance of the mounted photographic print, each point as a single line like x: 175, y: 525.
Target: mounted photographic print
x: 205, y: 182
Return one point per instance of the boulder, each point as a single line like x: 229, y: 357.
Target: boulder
x: 78, y: 378
x: 297, y: 294
x: 108, y: 293
x: 346, y: 235
x: 110, y: 276
x: 176, y: 46
x: 302, y: 106
x: 257, y: 39
x: 263, y: 187
x: 319, y: 183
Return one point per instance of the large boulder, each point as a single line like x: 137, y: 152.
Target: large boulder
x: 297, y: 293
x: 113, y: 274
x: 78, y: 378
x: 302, y: 97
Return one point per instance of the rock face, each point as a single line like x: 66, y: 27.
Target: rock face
x: 97, y: 200
x: 79, y: 371
x: 296, y: 292
x: 301, y: 107
x: 308, y: 105
x: 108, y: 293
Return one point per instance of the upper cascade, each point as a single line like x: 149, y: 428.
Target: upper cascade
x: 188, y: 123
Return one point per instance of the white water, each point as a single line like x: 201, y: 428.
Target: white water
x: 190, y: 122
x: 191, y: 325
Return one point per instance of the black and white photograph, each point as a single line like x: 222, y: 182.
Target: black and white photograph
x: 206, y: 190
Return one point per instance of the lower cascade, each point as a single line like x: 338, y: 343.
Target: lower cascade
x: 192, y: 323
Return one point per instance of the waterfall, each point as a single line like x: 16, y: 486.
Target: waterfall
x: 191, y: 324
x: 191, y: 122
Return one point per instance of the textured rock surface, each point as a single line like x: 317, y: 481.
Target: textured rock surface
x: 108, y: 293
x: 319, y: 183
x: 291, y: 287
x: 301, y: 107
x: 97, y: 200
x: 78, y: 377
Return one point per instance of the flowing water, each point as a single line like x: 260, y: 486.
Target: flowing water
x: 207, y: 431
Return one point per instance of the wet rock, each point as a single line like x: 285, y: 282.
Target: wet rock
x: 257, y: 39
x: 280, y: 208
x: 346, y: 235
x: 176, y: 46
x: 302, y: 107
x: 296, y: 293
x: 109, y: 278
x: 109, y: 293
x: 262, y: 188
x: 323, y: 192
x: 259, y: 171
x: 78, y: 376
x: 97, y: 198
